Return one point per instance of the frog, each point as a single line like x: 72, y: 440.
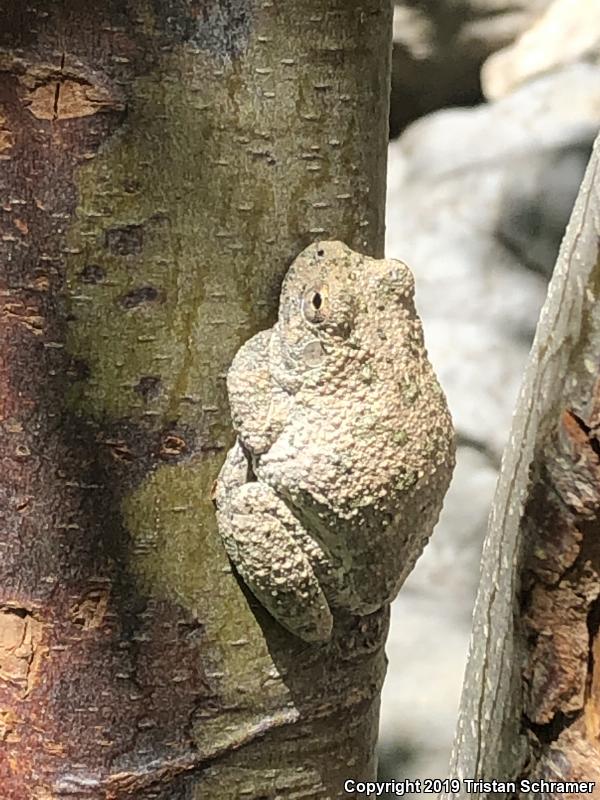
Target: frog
x: 344, y: 444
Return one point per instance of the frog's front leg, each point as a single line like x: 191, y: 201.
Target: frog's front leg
x: 271, y: 550
x: 258, y: 406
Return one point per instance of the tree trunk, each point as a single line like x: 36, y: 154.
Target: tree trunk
x: 162, y: 164
x: 531, y: 700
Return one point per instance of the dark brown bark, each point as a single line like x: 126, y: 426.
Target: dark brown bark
x: 161, y: 165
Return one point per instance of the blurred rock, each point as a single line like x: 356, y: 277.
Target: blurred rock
x: 478, y: 200
x: 567, y: 31
x: 478, y: 194
x: 551, y: 112
x: 439, y: 47
x: 480, y: 370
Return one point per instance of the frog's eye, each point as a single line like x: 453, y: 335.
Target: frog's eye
x: 314, y: 304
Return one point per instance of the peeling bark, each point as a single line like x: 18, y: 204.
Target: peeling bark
x: 161, y: 164
x: 530, y: 705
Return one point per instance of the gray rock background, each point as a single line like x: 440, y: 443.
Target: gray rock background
x: 440, y: 45
x: 478, y: 200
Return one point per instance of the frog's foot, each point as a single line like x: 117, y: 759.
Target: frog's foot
x: 265, y: 542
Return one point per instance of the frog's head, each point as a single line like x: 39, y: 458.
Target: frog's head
x: 316, y: 296
x: 330, y: 297
x: 318, y: 307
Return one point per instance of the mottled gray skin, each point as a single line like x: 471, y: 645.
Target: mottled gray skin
x: 345, y: 446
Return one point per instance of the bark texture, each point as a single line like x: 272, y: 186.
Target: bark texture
x: 161, y: 165
x: 531, y: 700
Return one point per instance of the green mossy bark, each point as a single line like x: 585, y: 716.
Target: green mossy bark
x: 233, y: 135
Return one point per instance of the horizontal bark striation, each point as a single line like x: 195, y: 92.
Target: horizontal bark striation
x: 160, y: 167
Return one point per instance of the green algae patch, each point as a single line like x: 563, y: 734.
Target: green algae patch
x: 168, y: 518
x: 173, y: 553
x: 158, y: 284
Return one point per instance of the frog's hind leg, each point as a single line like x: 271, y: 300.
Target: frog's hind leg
x: 271, y: 551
